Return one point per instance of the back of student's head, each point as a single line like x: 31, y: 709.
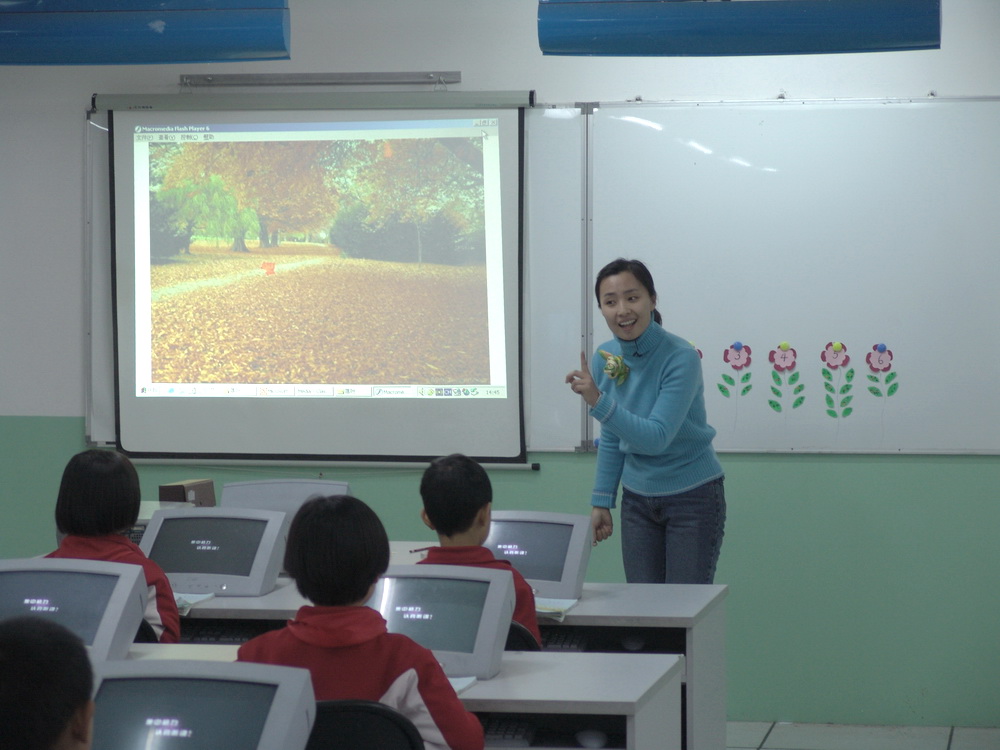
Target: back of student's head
x: 99, y: 494
x: 453, y: 489
x: 337, y: 548
x: 45, y: 680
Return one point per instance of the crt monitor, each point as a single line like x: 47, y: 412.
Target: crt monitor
x: 221, y: 551
x: 102, y: 602
x: 460, y: 613
x: 201, y: 705
x: 551, y: 550
x: 279, y: 494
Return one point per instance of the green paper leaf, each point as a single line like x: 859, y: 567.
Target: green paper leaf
x: 729, y: 379
x: 892, y: 389
x: 799, y: 388
x: 746, y: 390
x: 848, y: 411
x: 746, y: 378
x: 850, y: 375
x: 829, y: 401
x: 873, y: 378
x: 827, y: 375
x: 723, y: 390
x: 774, y: 405
x: 829, y: 388
x: 775, y: 391
x: 845, y: 389
x: 798, y: 402
x: 776, y: 377
x: 832, y: 413
x: 846, y: 401
x: 890, y: 377
x: 793, y: 378
x: 875, y: 392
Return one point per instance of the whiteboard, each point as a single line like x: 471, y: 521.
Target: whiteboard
x: 555, y: 320
x: 801, y: 222
x: 859, y: 223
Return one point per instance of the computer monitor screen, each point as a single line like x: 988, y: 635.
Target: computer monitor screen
x: 222, y: 551
x: 102, y: 602
x: 202, y: 705
x: 551, y: 550
x: 462, y: 614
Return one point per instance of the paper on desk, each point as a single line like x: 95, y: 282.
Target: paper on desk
x: 186, y: 601
x: 461, y: 683
x: 554, y: 609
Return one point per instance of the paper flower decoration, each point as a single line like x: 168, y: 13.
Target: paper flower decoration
x: 783, y: 360
x: 879, y: 361
x: 736, y: 356
x: 835, y: 355
x: 614, y: 366
x: 838, y: 394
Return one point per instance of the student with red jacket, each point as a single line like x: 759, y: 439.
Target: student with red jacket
x: 337, y: 551
x: 458, y: 499
x: 98, y: 503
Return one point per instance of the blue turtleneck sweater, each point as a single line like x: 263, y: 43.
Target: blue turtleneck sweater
x: 655, y: 438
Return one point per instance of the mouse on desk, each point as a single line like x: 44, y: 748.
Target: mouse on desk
x: 591, y: 738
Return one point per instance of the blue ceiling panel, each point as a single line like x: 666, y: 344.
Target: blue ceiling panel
x: 112, y: 32
x: 648, y: 28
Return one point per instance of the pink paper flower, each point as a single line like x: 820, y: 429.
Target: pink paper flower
x: 879, y: 359
x: 835, y: 355
x: 782, y: 359
x: 737, y: 356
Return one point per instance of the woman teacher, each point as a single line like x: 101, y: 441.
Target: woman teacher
x: 647, y: 392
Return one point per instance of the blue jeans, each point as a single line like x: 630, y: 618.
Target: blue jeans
x: 673, y: 538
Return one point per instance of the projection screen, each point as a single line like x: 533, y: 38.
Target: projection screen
x: 317, y: 283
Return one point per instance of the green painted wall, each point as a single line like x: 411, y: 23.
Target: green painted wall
x: 863, y: 589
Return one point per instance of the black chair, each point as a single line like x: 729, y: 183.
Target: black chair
x: 519, y: 638
x: 145, y: 633
x: 361, y: 725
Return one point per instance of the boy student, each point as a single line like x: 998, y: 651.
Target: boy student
x: 337, y: 550
x: 458, y: 499
x: 45, y: 686
x: 98, y: 502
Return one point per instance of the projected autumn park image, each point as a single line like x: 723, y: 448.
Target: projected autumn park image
x: 319, y: 262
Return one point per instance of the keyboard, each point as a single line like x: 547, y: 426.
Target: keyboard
x: 563, y: 639
x: 224, y: 632
x: 135, y: 533
x: 503, y: 731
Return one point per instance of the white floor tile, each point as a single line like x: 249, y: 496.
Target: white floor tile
x: 744, y: 735
x: 849, y: 737
x: 971, y: 738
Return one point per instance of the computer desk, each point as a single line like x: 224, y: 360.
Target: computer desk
x: 688, y: 619
x: 634, y: 699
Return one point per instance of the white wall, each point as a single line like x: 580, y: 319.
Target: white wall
x: 494, y: 44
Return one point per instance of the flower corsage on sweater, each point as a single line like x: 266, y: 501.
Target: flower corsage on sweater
x: 614, y: 366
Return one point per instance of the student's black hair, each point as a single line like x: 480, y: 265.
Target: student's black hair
x: 45, y: 678
x: 337, y: 548
x: 635, y: 267
x: 453, y: 489
x: 99, y: 494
